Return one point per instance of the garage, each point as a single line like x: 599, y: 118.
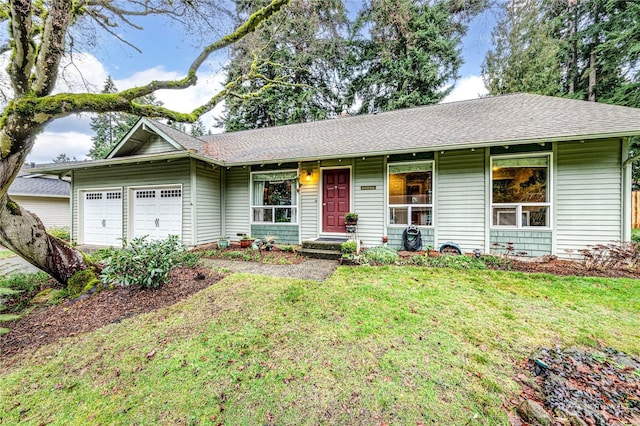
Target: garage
x: 157, y: 212
x: 102, y: 217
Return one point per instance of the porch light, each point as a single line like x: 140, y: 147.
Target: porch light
x: 309, y: 174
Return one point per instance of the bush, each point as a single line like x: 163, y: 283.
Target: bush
x: 447, y: 261
x: 61, y: 232
x: 602, y: 257
x: 349, y: 247
x: 15, y: 291
x: 380, y: 255
x: 145, y: 263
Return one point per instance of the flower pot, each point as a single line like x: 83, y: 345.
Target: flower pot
x: 223, y: 244
x: 245, y: 243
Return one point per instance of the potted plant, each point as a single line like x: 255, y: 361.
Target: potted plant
x: 223, y: 242
x: 246, y: 241
x: 351, y: 218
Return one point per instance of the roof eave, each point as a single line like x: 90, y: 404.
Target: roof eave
x: 471, y: 145
x: 167, y: 156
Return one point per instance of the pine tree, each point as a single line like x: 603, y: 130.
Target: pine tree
x: 406, y: 52
x: 198, y: 128
x: 296, y: 57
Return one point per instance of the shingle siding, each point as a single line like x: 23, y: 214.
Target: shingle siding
x: 285, y: 234
x: 527, y: 243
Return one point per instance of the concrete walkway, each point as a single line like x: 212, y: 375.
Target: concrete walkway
x: 310, y: 269
x: 15, y: 264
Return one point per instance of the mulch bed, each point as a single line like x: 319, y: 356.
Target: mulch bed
x: 547, y: 265
x: 50, y: 324
x: 601, y: 387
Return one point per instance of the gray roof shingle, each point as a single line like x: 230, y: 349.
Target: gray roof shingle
x: 516, y: 118
x: 36, y: 185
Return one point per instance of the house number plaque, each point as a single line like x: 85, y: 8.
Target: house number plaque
x: 368, y: 188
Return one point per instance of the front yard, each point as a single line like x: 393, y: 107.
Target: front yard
x: 372, y: 345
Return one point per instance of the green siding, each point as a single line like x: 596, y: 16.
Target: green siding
x: 207, y: 201
x: 155, y: 145
x: 533, y: 243
x: 588, y: 198
x: 460, y: 199
x: 369, y: 203
x: 309, y: 220
x: 135, y: 176
x: 236, y: 203
x: 395, y: 237
x: 285, y: 234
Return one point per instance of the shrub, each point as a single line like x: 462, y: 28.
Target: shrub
x: 61, y: 232
x: 447, y: 261
x: 288, y: 248
x: 15, y: 291
x: 380, y: 255
x: 144, y: 263
x: 349, y: 247
x: 610, y: 256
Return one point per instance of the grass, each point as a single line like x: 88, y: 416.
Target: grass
x: 397, y: 345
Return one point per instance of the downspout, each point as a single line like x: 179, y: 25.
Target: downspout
x: 626, y: 176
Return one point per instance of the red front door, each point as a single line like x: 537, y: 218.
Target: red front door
x: 335, y: 199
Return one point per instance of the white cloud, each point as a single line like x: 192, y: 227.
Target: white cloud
x: 50, y: 144
x: 88, y: 74
x: 470, y: 87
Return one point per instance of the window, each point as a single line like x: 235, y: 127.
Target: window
x: 411, y: 194
x: 520, y: 195
x: 274, y: 197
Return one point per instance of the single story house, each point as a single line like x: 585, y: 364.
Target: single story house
x: 45, y: 195
x: 547, y: 174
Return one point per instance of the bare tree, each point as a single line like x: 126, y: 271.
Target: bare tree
x: 40, y: 33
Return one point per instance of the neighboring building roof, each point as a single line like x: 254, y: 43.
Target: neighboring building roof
x: 39, y: 185
x: 508, y: 119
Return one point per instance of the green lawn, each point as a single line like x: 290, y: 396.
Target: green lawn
x: 399, y: 345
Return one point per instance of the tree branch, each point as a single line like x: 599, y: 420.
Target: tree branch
x: 52, y: 46
x: 22, y: 46
x: 249, y: 26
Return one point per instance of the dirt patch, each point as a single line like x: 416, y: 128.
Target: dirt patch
x: 90, y: 312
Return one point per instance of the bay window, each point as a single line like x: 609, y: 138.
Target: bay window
x: 520, y: 191
x: 411, y: 194
x: 274, y: 198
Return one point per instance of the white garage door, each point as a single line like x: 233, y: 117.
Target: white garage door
x: 102, y: 217
x: 157, y: 212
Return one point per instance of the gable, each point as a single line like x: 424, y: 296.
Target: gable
x: 145, y: 138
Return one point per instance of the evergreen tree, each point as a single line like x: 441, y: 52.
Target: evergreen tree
x: 110, y: 127
x: 524, y: 56
x: 406, y: 52
x: 63, y: 158
x: 198, y: 129
x: 295, y: 58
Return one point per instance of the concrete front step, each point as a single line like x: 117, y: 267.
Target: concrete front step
x: 320, y: 253
x: 322, y: 249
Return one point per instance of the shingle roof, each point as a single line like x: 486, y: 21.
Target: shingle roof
x: 517, y: 118
x: 189, y: 142
x: 39, y: 185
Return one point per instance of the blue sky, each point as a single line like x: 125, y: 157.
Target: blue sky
x: 167, y: 53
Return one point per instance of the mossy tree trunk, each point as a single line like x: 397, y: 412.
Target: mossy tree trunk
x: 37, y: 32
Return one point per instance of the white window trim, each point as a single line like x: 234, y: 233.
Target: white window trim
x: 518, y: 206
x: 388, y: 206
x: 296, y: 218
